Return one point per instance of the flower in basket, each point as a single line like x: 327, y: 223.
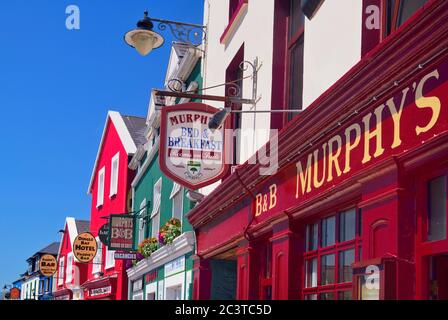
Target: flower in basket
x: 170, y: 231
x: 147, y: 246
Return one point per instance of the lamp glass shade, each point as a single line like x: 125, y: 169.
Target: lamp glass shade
x: 143, y: 42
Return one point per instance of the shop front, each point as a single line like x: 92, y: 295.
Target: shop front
x: 64, y: 294
x: 166, y: 274
x: 100, y: 289
x: 358, y: 206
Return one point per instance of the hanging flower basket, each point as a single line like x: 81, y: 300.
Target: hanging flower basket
x: 170, y: 231
x: 147, y: 246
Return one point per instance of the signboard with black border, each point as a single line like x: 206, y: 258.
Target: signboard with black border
x: 121, y: 232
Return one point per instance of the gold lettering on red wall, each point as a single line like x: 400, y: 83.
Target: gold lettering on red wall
x: 365, y: 139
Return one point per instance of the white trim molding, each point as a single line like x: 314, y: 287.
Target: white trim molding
x: 180, y: 247
x: 125, y: 138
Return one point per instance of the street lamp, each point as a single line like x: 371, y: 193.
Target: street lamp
x: 144, y: 39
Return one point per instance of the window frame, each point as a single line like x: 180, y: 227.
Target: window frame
x: 180, y: 197
x: 101, y: 187
x: 293, y: 39
x: 97, y: 261
x: 113, y: 190
x: 61, y: 270
x: 110, y: 259
x: 69, y: 268
x: 142, y: 221
x: 337, y: 287
x: 395, y: 12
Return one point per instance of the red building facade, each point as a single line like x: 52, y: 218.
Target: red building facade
x: 358, y: 206
x: 71, y: 273
x: 110, y: 190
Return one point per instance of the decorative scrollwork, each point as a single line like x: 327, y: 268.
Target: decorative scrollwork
x: 233, y: 90
x: 184, y: 33
x: 244, y: 65
x: 175, y: 85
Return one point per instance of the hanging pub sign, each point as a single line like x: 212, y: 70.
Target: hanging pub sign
x: 121, y: 232
x: 190, y: 153
x: 48, y: 265
x: 85, y: 247
x: 103, y: 234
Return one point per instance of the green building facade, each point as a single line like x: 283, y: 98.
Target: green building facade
x: 166, y: 271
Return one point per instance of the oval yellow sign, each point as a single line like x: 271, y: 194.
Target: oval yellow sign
x: 85, y: 247
x: 48, y: 265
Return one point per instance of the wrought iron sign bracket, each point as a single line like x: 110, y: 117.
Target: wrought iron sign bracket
x: 189, y: 33
x: 233, y: 89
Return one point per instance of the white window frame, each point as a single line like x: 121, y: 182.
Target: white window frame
x: 110, y: 259
x: 61, y: 270
x: 98, y: 259
x: 155, y: 215
x: 69, y: 268
x: 100, y: 191
x: 114, y: 174
x: 141, y: 222
x: 178, y: 212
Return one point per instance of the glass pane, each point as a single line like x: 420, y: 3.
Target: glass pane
x: 346, y: 258
x: 345, y: 295
x: 311, y: 236
x: 407, y: 9
x: 328, y: 231
x: 347, y: 225
x: 327, y: 296
x: 311, y: 297
x: 297, y: 19
x: 437, y: 209
x: 328, y: 269
x: 311, y: 273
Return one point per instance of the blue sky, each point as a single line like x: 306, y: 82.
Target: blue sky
x: 56, y: 86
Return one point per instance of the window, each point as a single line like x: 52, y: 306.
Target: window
x: 311, y: 273
x: 328, y: 231
x: 437, y: 204
x: 328, y: 262
x: 47, y: 285
x: 96, y: 266
x: 142, y: 222
x: 61, y: 270
x: 155, y: 215
x: 346, y: 258
x: 347, y: 225
x: 110, y: 259
x: 398, y: 11
x: 311, y: 237
x: 155, y: 226
x: 234, y: 74
x: 327, y: 268
x: 100, y: 191
x: 69, y: 268
x: 295, y: 57
x: 114, y: 175
x: 177, y: 199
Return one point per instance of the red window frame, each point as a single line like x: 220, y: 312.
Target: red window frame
x: 335, y: 249
x: 294, y: 38
x: 425, y: 248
